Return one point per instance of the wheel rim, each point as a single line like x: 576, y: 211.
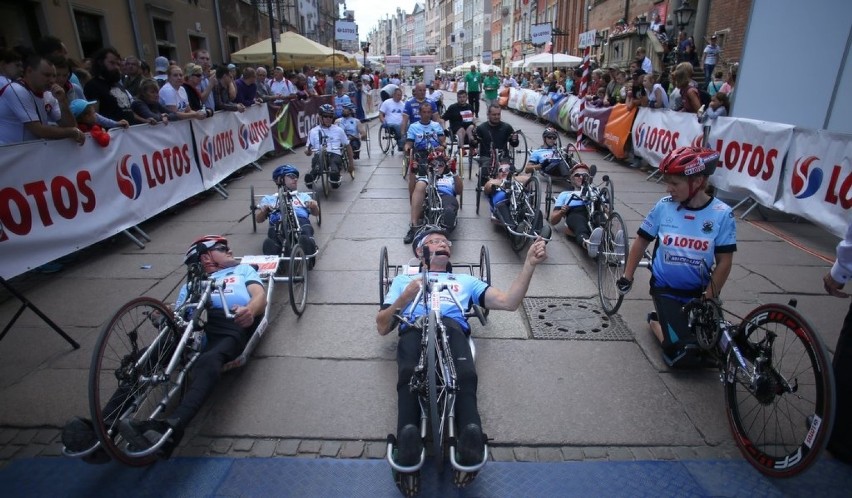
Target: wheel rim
x: 123, y: 340
x: 298, y: 280
x: 252, y: 208
x: 771, y: 427
x: 384, y: 275
x: 611, y: 260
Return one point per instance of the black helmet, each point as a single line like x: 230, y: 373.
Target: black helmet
x: 421, y: 235
x: 549, y: 133
x: 326, y: 111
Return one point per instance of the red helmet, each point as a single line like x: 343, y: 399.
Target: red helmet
x: 690, y: 161
x: 579, y: 166
x: 208, y: 242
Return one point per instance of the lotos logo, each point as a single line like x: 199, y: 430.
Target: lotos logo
x: 243, y: 135
x: 804, y: 182
x: 217, y: 147
x: 698, y: 141
x: 253, y: 133
x: 129, y: 178
x: 744, y: 157
x: 654, y: 139
x: 686, y: 242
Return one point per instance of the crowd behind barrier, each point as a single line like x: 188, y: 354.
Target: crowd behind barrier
x: 802, y: 172
x: 58, y: 197
x: 299, y: 116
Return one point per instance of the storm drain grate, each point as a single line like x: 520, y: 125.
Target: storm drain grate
x: 573, y: 319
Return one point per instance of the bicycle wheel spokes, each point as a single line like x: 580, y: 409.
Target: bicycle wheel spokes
x: 781, y: 416
x: 297, y: 284
x: 612, y: 255
x: 432, y: 379
x: 125, y: 378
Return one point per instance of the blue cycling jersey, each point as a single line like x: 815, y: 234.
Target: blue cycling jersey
x: 300, y: 202
x: 467, y: 289
x: 571, y: 198
x: 539, y: 156
x: 236, y: 280
x: 424, y: 135
x: 687, y: 241
x: 412, y: 108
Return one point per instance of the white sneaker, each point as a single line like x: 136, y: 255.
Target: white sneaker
x: 619, y: 244
x: 594, y: 242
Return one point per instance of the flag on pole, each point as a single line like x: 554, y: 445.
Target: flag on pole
x: 584, y: 85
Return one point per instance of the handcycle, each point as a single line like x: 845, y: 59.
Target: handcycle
x: 777, y: 378
x: 418, y: 155
x: 323, y: 180
x: 570, y: 155
x: 523, y: 201
x: 143, y: 358
x: 615, y: 239
x: 289, y: 232
x: 387, y: 141
x: 433, y: 205
x: 434, y: 378
x: 459, y: 152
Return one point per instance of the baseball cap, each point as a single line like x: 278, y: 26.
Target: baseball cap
x: 78, y: 106
x: 713, y: 37
x: 279, y: 68
x: 231, y: 66
x: 161, y: 64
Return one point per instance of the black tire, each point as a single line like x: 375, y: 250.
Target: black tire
x: 484, y: 269
x: 297, y: 280
x: 385, y: 139
x: 116, y: 390
x: 470, y: 152
x: 522, y: 150
x: 611, y: 260
x: 384, y: 275
x: 432, y: 213
x: 605, y: 196
x: 781, y: 433
x: 434, y: 379
x: 319, y: 210
x: 324, y: 179
x: 532, y: 190
x: 253, y: 209
x: 548, y: 198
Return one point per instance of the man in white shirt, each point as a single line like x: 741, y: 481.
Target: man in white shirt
x: 390, y: 114
x: 23, y: 114
x: 643, y: 59
x: 711, y: 55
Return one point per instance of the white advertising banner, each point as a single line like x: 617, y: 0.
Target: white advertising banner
x: 58, y: 197
x: 817, y: 179
x: 540, y: 33
x: 658, y: 131
x: 751, y: 156
x: 345, y: 30
x: 231, y: 141
x: 528, y: 100
x: 514, y: 98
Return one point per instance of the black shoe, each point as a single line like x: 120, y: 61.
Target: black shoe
x: 78, y: 435
x: 142, y: 434
x: 409, y: 446
x: 471, y: 445
x: 334, y: 179
x: 309, y: 181
x: 409, y: 237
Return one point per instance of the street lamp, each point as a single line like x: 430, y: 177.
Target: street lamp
x: 683, y: 14
x: 642, y: 26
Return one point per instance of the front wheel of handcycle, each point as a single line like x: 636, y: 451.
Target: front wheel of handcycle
x: 612, y: 256
x: 781, y: 420
x: 384, y: 275
x: 437, y: 394
x: 297, y: 280
x: 125, y: 377
x: 484, y: 270
x: 385, y: 140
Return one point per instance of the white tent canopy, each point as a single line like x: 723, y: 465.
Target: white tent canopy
x: 549, y: 60
x: 482, y: 68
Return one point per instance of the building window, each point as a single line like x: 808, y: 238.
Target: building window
x: 90, y: 29
x: 197, y: 43
x: 233, y: 44
x: 164, y: 37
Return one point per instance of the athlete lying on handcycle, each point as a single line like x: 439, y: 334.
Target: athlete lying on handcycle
x: 399, y: 302
x: 571, y: 206
x: 303, y: 206
x: 448, y: 185
x: 226, y: 337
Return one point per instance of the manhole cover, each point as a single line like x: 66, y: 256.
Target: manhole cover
x: 577, y: 319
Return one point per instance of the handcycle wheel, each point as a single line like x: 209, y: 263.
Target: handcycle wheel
x: 484, y: 270
x: 432, y: 212
x: 366, y: 139
x: 324, y: 180
x: 253, y: 209
x: 385, y: 139
x: 782, y: 423
x: 116, y: 388
x: 612, y: 256
x: 607, y: 196
x: 297, y: 279
x: 548, y: 197
x: 470, y: 162
x: 384, y: 275
x: 319, y: 210
x: 532, y: 191
x: 435, y: 381
x: 522, y: 148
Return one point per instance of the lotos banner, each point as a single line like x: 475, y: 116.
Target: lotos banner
x: 292, y: 130
x: 751, y: 156
x: 231, y: 141
x: 817, y: 179
x: 658, y: 131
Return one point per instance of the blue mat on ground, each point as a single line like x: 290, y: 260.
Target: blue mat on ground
x: 311, y: 477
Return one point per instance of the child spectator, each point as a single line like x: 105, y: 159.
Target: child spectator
x: 718, y: 107
x: 89, y: 121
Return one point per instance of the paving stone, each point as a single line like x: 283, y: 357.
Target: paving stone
x: 220, y: 446
x: 707, y: 453
x: 594, y: 453
x: 377, y: 450
x: 663, y: 453
x: 8, y: 451
x: 287, y: 447
x: 641, y: 453
x: 242, y: 444
x: 310, y: 446
x: 263, y: 448
x: 684, y: 453
x: 615, y: 454
x: 203, y: 441
x: 45, y: 436
x: 330, y: 449
x: 194, y: 451
x: 524, y: 454
x: 52, y: 450
x: 24, y: 436
x: 549, y: 454
x: 307, y: 455
x: 572, y: 454
x: 502, y: 454
x: 352, y: 449
x: 7, y: 435
x: 29, y: 451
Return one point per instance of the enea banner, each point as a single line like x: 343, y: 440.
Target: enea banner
x: 817, y: 179
x: 58, y: 197
x: 751, y: 155
x: 658, y: 131
x: 291, y: 131
x: 231, y: 141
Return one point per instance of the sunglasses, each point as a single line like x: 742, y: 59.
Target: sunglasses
x: 580, y: 175
x: 220, y: 248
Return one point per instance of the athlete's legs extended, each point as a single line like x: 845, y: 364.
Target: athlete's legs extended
x: 418, y: 196
x: 407, y: 355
